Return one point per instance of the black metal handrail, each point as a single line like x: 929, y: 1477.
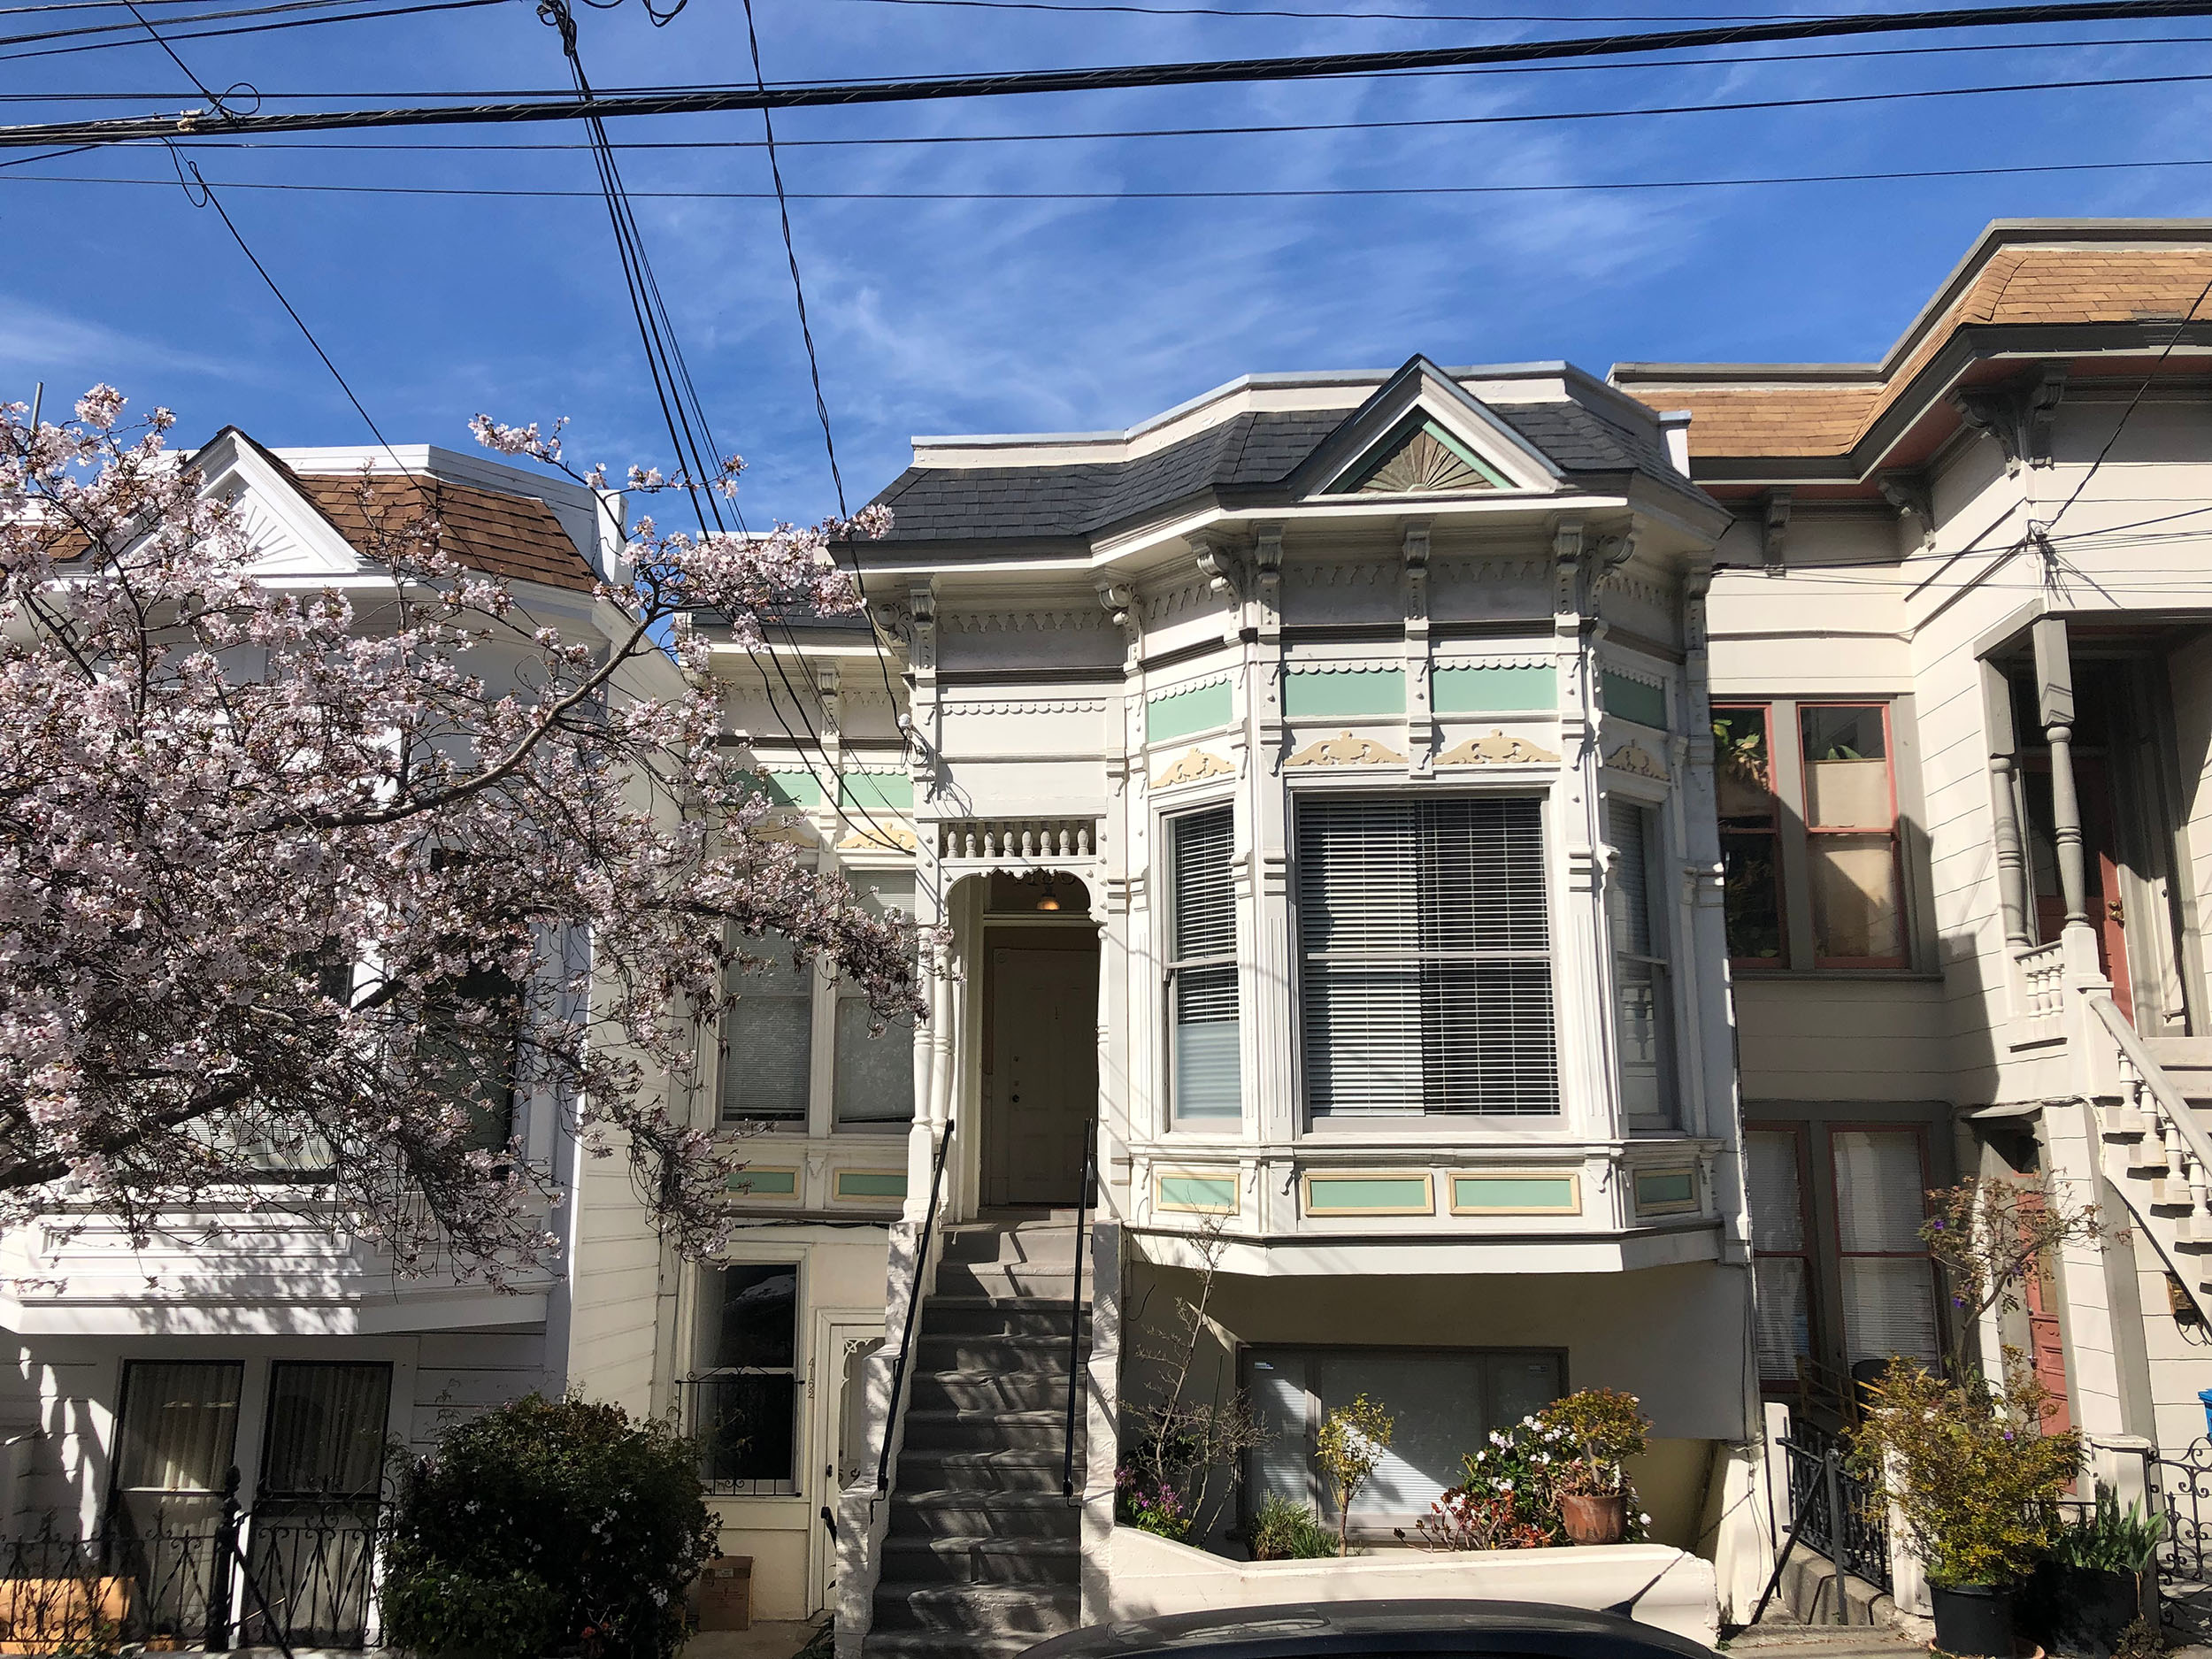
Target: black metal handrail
x: 913, y: 1306
x: 1075, y: 1306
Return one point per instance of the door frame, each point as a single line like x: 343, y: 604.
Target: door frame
x: 833, y: 1329
x: 1086, y: 937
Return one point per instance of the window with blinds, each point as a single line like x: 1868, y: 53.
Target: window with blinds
x: 1781, y: 1259
x: 1201, y: 970
x: 1643, y: 989
x: 1443, y: 1400
x: 1425, y: 952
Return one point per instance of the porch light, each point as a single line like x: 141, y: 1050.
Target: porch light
x: 1048, y: 902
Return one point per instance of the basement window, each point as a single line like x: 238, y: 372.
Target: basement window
x: 743, y: 1403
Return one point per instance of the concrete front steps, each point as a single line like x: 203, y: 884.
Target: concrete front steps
x: 981, y: 1558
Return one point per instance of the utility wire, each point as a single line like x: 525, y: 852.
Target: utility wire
x: 242, y: 28
x: 1023, y: 83
x: 1447, y: 190
x: 814, y: 370
x: 1581, y: 67
x: 78, y: 30
x: 1283, y: 128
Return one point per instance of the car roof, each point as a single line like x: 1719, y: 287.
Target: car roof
x: 1316, y: 1627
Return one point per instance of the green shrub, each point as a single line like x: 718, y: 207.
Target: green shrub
x: 2108, y: 1540
x: 548, y: 1526
x: 1284, y: 1530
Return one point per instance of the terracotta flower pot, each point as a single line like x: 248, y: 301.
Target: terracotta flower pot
x: 1590, y: 1520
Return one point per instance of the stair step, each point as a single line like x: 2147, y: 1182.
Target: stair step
x: 930, y: 1644
x: 2126, y: 1122
x: 1013, y: 1316
x: 1037, y: 1389
x: 1047, y: 1351
x: 964, y: 1558
x: 983, y: 1471
x: 1007, y: 1431
x: 1009, y: 1281
x: 1034, y: 1245
x: 992, y: 1610
x: 951, y: 1512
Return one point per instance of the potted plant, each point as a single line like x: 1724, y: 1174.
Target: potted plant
x: 2097, y: 1581
x: 1605, y: 1430
x: 1975, y: 1481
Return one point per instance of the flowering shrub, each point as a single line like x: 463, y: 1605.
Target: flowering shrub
x: 548, y: 1525
x: 1510, y: 1488
x: 1149, y: 1506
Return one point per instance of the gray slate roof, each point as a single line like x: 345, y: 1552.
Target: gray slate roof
x: 1243, y: 462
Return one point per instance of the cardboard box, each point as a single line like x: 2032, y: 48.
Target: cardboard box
x: 724, y: 1593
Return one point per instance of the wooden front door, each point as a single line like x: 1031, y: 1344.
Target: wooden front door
x: 1042, y: 1086
x: 2047, y: 1343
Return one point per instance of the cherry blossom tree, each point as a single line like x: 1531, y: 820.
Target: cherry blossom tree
x: 302, y: 887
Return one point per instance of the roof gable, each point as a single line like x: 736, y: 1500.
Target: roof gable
x: 1422, y: 432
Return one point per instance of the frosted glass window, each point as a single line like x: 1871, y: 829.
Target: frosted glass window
x: 1774, y: 1176
x: 872, y: 1077
x: 768, y: 1042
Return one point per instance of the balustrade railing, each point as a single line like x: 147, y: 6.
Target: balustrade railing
x: 2042, y: 970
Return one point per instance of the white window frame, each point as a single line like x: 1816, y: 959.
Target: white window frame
x: 1170, y: 829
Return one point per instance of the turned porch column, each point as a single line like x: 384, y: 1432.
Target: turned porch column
x: 2055, y: 707
x: 2012, y: 864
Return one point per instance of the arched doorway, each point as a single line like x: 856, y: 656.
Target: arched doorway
x: 1038, y: 1051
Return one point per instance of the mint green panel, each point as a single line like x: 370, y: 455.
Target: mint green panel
x: 870, y: 1184
x: 1381, y: 691
x: 1658, y: 1189
x: 889, y: 791
x: 1329, y: 1193
x: 1632, y: 700
x: 1477, y: 690
x: 1198, y: 1192
x: 765, y: 1183
x: 1513, y: 1192
x: 1180, y: 713
x: 791, y: 786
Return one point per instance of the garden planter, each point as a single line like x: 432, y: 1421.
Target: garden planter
x: 1973, y: 1618
x: 2080, y: 1612
x: 1594, y: 1520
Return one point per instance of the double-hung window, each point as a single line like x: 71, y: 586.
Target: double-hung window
x: 1887, y: 1280
x: 1810, y: 834
x: 768, y: 1042
x: 1425, y: 956
x: 177, y: 1437
x: 1781, y: 1252
x: 1643, y: 987
x: 746, y: 1398
x: 1205, y: 1083
x: 871, y: 1066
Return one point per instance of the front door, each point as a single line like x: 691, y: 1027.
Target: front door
x: 1042, y: 1086
x: 842, y: 1342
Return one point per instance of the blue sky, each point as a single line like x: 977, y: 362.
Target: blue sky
x: 939, y: 316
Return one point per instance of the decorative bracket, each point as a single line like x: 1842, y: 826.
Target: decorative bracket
x: 1775, y: 531
x: 2016, y: 413
x: 1907, y: 491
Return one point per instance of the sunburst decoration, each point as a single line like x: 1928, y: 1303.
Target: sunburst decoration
x: 1423, y: 465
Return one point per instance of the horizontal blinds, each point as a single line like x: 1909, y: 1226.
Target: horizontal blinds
x: 1888, y: 1308
x: 1778, y: 1205
x: 1427, y: 976
x: 769, y: 1037
x: 1784, y: 1331
x: 1879, y: 1203
x: 1625, y: 828
x: 1202, y: 976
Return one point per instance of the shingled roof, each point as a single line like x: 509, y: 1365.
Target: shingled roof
x: 514, y: 537
x: 1241, y: 463
x: 2017, y: 276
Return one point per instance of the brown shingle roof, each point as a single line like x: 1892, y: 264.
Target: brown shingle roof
x: 2016, y: 286
x: 512, y: 536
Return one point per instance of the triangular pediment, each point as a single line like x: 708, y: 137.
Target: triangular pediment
x: 1422, y: 433
x: 1419, y: 457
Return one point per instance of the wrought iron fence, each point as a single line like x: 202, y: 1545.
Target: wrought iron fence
x: 286, y: 1574
x: 1820, y: 1484
x: 2181, y: 1490
x: 745, y: 1423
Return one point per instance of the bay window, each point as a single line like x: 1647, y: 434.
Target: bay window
x: 1643, y: 987
x: 1205, y: 1083
x: 1425, y: 956
x: 872, y: 1069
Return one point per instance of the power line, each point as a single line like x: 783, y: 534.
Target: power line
x: 2180, y: 328
x: 77, y: 31
x: 1029, y: 82
x: 242, y: 28
x: 1897, y: 176
x: 1581, y: 67
x: 1266, y: 129
x: 1358, y: 17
